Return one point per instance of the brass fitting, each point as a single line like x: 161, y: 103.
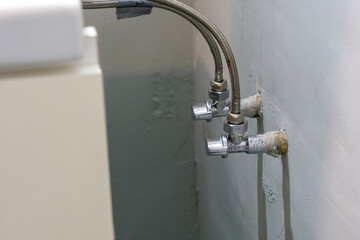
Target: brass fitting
x: 219, y: 86
x: 236, y: 118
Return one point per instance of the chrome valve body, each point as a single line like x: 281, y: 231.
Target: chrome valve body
x: 220, y: 106
x: 272, y: 143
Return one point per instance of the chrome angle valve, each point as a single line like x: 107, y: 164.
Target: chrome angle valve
x: 221, y: 105
x: 272, y: 143
x: 218, y: 107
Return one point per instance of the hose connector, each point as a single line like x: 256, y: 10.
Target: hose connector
x: 219, y: 86
x: 236, y: 118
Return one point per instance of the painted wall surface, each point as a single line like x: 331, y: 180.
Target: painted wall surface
x: 148, y: 70
x: 304, y: 57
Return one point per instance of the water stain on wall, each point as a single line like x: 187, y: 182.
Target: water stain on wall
x: 272, y: 195
x: 163, y: 92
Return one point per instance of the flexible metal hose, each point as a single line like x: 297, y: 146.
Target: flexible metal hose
x: 208, y: 37
x: 229, y: 56
x: 205, y: 33
x: 219, y: 36
x: 94, y: 4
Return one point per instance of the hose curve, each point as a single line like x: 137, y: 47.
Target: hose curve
x: 218, y: 35
x: 208, y: 37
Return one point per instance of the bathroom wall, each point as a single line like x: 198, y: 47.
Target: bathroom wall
x: 304, y: 58
x: 148, y: 69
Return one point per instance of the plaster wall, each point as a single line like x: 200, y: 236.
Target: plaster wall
x: 148, y: 72
x: 304, y: 58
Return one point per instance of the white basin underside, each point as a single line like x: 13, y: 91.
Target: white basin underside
x: 37, y: 33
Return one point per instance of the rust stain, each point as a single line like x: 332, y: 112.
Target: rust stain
x: 282, y: 145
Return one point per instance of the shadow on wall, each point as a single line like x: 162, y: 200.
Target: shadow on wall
x: 262, y: 217
x: 147, y: 64
x: 286, y: 198
x: 262, y: 223
x: 151, y: 157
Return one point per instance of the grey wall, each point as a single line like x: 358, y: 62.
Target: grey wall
x: 304, y: 57
x: 148, y: 69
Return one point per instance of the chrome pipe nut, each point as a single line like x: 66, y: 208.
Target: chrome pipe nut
x: 239, y: 129
x: 218, y: 95
x: 219, y: 86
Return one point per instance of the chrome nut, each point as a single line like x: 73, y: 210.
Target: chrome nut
x: 219, y: 96
x: 202, y: 111
x: 239, y: 129
x: 219, y: 86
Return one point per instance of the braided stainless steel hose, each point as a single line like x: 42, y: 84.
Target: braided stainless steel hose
x: 235, y: 116
x: 204, y: 32
x: 208, y: 37
x: 96, y: 4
